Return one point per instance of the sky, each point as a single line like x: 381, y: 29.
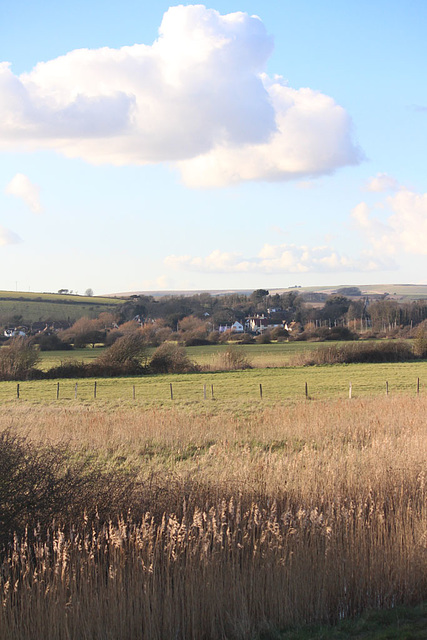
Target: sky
x: 233, y: 145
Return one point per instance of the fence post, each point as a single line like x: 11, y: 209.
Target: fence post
x: 212, y: 391
x: 204, y: 392
x: 171, y: 391
x: 133, y: 392
x: 260, y: 390
x: 17, y: 390
x: 386, y: 388
x: 57, y: 390
x: 75, y: 391
x: 306, y: 390
x: 94, y: 390
x: 418, y: 386
x: 349, y: 391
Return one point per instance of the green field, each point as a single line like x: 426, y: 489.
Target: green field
x: 35, y: 307
x: 272, y: 370
x: 259, y: 355
x: 234, y: 387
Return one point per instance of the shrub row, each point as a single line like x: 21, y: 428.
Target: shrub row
x: 389, y: 351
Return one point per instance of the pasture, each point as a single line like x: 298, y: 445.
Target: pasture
x: 43, y: 307
x: 235, y: 387
x: 276, y: 354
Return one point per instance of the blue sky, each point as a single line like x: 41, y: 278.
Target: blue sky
x: 223, y: 151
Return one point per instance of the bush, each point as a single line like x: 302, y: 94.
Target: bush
x: 245, y: 338
x: 263, y: 338
x: 233, y: 358
x: 17, y: 359
x: 52, y: 342
x: 196, y: 342
x: 129, y: 348
x: 214, y: 337
x: 324, y: 334
x: 420, y: 342
x: 171, y: 358
x: 112, y: 336
x: 71, y: 369
x: 41, y: 483
x: 387, y: 351
x: 279, y: 332
x: 338, y: 333
x: 124, y: 357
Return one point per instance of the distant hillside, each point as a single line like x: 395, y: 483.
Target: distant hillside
x: 17, y: 307
x: 399, y: 292
x: 193, y: 292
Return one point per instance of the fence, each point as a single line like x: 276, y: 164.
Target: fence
x: 142, y: 390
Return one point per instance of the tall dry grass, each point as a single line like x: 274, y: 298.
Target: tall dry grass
x: 243, y: 522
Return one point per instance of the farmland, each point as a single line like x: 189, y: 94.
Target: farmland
x: 259, y: 355
x: 236, y: 387
x: 34, y: 307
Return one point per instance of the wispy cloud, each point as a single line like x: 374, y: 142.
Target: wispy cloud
x: 8, y: 237
x: 198, y: 97
x: 283, y: 258
x: 21, y: 187
x: 160, y: 283
x: 382, y: 182
x: 419, y: 107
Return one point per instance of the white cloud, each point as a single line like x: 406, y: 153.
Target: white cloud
x: 160, y: 283
x: 21, y: 187
x: 312, y: 137
x: 404, y: 230
x: 281, y: 258
x: 198, y: 96
x: 383, y: 182
x: 8, y: 237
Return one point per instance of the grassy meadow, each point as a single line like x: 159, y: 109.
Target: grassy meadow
x: 259, y: 355
x: 230, y: 517
x: 232, y: 387
x: 35, y: 307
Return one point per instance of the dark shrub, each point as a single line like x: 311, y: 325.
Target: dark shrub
x: 39, y: 483
x: 279, y: 332
x: 112, y: 336
x: 71, y: 369
x: 17, y: 359
x: 263, y: 338
x: 246, y: 338
x: 171, y: 358
x: 233, y: 358
x: 52, y: 342
x: 420, y: 342
x: 196, y: 342
x: 386, y: 351
x: 127, y: 351
x: 337, y: 333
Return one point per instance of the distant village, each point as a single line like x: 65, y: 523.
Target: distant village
x: 205, y: 318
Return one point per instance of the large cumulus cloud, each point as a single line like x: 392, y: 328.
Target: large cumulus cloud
x: 198, y: 97
x: 405, y: 228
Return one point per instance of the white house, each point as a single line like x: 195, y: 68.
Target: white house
x: 257, y: 324
x: 236, y: 327
x: 13, y: 333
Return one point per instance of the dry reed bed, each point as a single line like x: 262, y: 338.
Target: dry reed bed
x: 283, y: 515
